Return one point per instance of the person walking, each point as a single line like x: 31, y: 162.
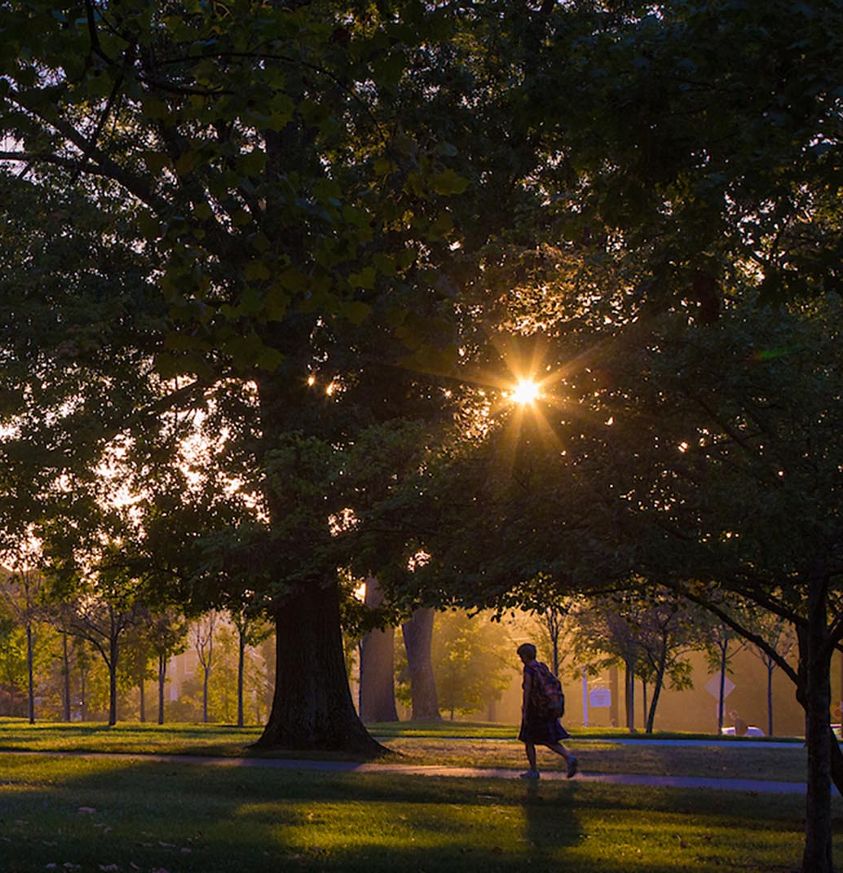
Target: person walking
x: 542, y: 705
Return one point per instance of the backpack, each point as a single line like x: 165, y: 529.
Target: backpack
x: 548, y: 697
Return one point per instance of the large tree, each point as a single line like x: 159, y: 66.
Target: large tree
x: 289, y: 172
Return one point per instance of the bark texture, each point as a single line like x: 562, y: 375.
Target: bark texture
x: 377, y: 666
x: 162, y: 678
x: 418, y: 638
x: 312, y: 706
x: 241, y: 661
x: 815, y: 669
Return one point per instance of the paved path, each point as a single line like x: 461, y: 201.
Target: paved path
x: 625, y: 741
x: 757, y: 786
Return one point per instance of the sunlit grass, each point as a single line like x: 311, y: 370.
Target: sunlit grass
x: 195, y: 739
x: 728, y: 762
x: 484, y: 746
x: 496, y: 730
x: 96, y: 812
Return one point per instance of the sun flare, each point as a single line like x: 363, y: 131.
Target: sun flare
x: 526, y: 391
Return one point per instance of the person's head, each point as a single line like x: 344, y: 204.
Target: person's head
x: 526, y: 652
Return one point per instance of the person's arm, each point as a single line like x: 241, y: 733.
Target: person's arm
x: 527, y: 685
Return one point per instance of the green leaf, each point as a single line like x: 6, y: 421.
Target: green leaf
x: 149, y: 225
x: 357, y: 312
x: 364, y: 278
x: 256, y: 270
x: 253, y: 163
x: 187, y: 162
x: 155, y: 161
x: 448, y: 182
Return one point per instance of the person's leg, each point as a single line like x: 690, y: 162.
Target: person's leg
x: 559, y: 749
x: 530, y: 749
x: 570, y: 759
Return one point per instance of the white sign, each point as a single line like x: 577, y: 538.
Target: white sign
x: 600, y: 698
x: 713, y: 686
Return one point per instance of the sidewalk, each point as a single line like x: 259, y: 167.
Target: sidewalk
x: 757, y: 786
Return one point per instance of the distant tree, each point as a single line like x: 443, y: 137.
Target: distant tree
x: 137, y: 655
x: 377, y: 665
x: 649, y: 631
x: 557, y: 627
x: 252, y: 629
x: 780, y: 644
x: 13, y: 673
x: 167, y: 633
x: 202, y: 637
x: 102, y: 600
x: 22, y: 590
x: 67, y: 705
x: 418, y: 642
x: 721, y: 645
x: 472, y: 662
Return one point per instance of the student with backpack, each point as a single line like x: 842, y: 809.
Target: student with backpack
x: 543, y: 704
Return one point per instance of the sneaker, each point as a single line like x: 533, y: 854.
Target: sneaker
x: 530, y: 774
x: 573, y: 767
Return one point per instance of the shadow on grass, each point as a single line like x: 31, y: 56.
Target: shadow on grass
x: 99, y: 813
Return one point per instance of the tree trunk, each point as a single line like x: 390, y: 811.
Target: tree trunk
x: 65, y: 663
x: 30, y: 672
x: 644, y: 708
x: 721, y: 697
x: 657, y: 689
x: 770, y: 667
x: 377, y: 666
x: 241, y: 662
x: 555, y: 630
x: 112, y: 683
x: 206, y: 675
x: 418, y: 637
x: 312, y: 706
x: 311, y: 702
x: 141, y: 700
x: 83, y: 694
x: 629, y: 694
x: 836, y: 754
x: 614, y: 687
x: 162, y: 678
x: 815, y: 664
x: 836, y: 764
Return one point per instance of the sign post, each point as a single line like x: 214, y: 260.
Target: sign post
x: 584, y: 698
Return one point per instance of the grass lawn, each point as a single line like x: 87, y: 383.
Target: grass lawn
x: 102, y: 814
x: 489, y: 730
x: 477, y: 746
x: 712, y: 761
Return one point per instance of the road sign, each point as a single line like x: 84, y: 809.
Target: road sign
x: 713, y: 686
